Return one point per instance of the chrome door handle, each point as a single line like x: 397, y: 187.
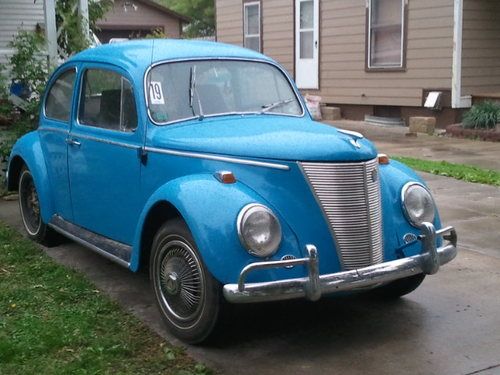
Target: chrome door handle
x: 73, y: 142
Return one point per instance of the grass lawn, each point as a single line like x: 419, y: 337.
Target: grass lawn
x: 459, y: 171
x: 54, y: 321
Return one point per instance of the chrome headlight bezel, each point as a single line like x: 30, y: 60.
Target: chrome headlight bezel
x: 243, y: 217
x: 411, y: 219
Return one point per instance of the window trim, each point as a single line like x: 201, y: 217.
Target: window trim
x: 81, y: 95
x: 247, y: 4
x: 404, y: 33
x: 47, y: 93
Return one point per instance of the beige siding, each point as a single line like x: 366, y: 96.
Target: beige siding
x: 481, y: 47
x: 277, y: 27
x: 229, y: 21
x: 343, y: 78
x: 278, y: 31
x: 17, y: 15
x: 145, y: 16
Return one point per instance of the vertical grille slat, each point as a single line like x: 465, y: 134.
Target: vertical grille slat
x: 350, y: 200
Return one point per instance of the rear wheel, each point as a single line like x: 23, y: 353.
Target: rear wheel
x: 399, y: 288
x: 29, y: 205
x: 186, y: 292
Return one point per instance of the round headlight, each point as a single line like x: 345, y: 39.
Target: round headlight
x: 259, y: 230
x: 418, y: 204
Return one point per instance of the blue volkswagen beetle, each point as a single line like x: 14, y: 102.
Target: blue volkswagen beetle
x: 200, y: 161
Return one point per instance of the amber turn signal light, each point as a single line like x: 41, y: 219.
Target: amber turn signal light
x: 226, y: 177
x: 383, y: 159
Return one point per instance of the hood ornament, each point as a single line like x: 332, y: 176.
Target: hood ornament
x: 355, y: 143
x: 355, y: 137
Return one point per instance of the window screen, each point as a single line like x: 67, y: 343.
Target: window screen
x: 58, y: 102
x: 251, y: 26
x: 386, y: 34
x: 107, y: 101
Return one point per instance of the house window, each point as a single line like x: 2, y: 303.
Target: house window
x: 251, y: 26
x: 385, y: 34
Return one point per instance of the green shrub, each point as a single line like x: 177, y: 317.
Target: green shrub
x: 483, y: 115
x: 28, y: 67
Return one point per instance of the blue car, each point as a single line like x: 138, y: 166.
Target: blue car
x: 200, y: 162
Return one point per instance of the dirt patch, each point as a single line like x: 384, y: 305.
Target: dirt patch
x: 456, y: 130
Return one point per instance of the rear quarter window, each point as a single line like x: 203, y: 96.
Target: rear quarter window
x: 60, y: 95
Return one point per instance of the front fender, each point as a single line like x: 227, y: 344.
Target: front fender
x: 210, y: 209
x: 393, y: 177
x: 29, y: 150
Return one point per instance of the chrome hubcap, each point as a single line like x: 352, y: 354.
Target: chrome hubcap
x: 180, y: 281
x: 172, y: 283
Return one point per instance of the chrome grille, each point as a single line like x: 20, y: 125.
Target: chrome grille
x: 349, y: 194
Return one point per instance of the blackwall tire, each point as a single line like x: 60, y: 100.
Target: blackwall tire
x: 187, y: 294
x: 29, y: 206
x: 399, y: 288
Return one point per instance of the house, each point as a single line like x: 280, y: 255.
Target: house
x: 137, y: 18
x: 376, y: 57
x: 17, y: 15
x: 126, y: 19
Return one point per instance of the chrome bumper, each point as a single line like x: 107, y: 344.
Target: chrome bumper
x: 315, y: 285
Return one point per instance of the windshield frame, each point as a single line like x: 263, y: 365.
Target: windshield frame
x: 281, y: 70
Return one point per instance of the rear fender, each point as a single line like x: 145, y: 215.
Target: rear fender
x: 28, y: 151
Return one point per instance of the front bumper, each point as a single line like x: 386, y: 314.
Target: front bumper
x: 315, y: 285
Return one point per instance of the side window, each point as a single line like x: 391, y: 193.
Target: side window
x: 58, y: 102
x: 107, y: 101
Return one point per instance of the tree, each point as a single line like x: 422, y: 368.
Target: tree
x: 202, y: 13
x: 70, y: 39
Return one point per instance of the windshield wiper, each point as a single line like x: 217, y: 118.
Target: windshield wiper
x: 193, y: 91
x: 268, y: 107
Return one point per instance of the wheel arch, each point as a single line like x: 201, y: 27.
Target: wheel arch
x: 15, y: 166
x: 161, y: 212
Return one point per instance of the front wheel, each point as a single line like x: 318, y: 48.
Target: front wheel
x: 186, y: 292
x: 399, y: 288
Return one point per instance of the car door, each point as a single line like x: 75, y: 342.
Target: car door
x: 103, y: 154
x: 54, y: 130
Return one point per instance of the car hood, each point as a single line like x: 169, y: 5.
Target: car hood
x: 263, y: 136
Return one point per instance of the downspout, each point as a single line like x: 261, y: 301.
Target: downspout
x: 83, y: 16
x: 457, y: 101
x: 49, y: 10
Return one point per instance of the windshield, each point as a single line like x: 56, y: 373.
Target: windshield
x: 183, y: 90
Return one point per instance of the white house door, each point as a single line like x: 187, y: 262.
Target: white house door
x: 307, y: 43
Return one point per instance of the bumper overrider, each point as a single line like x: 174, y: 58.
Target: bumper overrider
x: 315, y: 285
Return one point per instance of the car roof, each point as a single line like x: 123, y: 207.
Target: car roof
x: 140, y: 54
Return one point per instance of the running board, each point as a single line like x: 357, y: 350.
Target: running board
x: 110, y: 249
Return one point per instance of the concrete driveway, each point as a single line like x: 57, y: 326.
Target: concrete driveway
x: 450, y: 325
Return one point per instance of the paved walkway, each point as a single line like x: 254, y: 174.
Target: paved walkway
x: 392, y: 140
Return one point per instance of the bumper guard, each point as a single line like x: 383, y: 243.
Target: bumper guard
x: 315, y: 285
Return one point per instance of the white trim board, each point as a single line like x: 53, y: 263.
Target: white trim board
x: 457, y: 100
